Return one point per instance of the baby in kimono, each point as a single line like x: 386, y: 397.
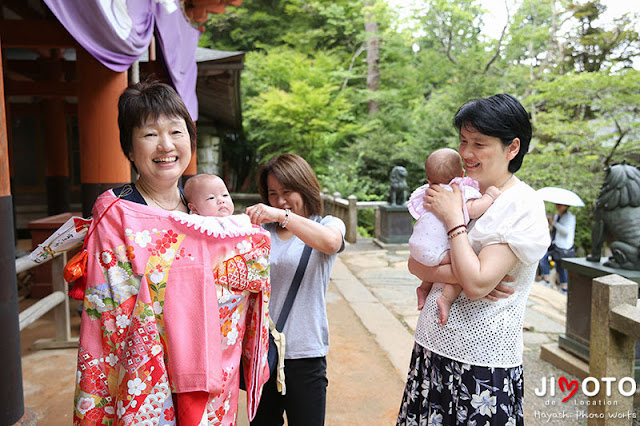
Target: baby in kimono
x: 429, y: 242
x: 207, y: 195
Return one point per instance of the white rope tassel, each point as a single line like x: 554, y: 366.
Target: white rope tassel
x: 280, y: 342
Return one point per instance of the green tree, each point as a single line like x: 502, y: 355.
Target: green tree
x: 592, y: 48
x: 305, y: 87
x: 297, y: 105
x: 306, y: 25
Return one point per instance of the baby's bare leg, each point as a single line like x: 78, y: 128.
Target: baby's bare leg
x: 423, y: 291
x: 449, y: 295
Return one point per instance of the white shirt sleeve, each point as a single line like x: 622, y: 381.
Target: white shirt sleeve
x: 518, y: 219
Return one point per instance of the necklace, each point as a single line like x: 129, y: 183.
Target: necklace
x: 505, y: 182
x: 141, y: 187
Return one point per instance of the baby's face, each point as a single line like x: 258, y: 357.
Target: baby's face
x: 210, y: 197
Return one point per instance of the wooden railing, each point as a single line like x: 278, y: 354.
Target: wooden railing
x: 58, y: 301
x: 345, y: 209
x: 615, y: 329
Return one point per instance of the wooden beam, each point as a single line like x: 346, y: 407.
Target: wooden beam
x: 35, y: 108
x: 156, y: 68
x: 212, y: 69
x: 40, y: 88
x: 33, y: 68
x: 34, y: 34
x: 22, y: 9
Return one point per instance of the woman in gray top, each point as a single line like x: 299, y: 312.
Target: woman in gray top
x: 291, y: 211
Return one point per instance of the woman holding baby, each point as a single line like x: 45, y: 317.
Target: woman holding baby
x: 469, y: 370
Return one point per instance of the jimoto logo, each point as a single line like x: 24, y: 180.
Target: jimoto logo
x: 591, y: 386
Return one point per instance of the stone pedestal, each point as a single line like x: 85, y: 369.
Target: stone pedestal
x: 576, y: 339
x: 396, y: 224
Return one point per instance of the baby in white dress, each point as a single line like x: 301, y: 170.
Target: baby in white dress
x: 429, y: 242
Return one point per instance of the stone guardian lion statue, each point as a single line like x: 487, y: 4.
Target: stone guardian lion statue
x: 617, y: 218
x: 399, y: 191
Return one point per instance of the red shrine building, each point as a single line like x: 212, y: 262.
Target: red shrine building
x: 64, y: 65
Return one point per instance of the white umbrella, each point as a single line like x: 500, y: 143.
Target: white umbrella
x: 560, y: 196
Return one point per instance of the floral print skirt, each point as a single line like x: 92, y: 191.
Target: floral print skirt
x: 441, y: 391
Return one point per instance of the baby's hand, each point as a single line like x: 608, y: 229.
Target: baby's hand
x: 493, y: 192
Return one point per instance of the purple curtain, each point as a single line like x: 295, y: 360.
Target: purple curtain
x: 118, y: 32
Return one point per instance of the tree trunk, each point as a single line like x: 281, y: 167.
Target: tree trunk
x: 373, y: 55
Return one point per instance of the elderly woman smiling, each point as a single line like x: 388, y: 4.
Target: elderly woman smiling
x: 469, y: 371
x: 158, y: 136
x: 155, y: 345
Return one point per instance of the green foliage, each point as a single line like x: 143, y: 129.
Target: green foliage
x: 304, y: 88
x: 585, y: 121
x: 366, y: 223
x: 345, y: 178
x: 307, y: 25
x: 297, y: 105
x: 591, y: 113
x: 592, y: 48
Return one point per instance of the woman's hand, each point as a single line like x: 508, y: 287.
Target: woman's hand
x: 502, y: 291
x: 326, y: 239
x: 262, y: 213
x: 445, y: 204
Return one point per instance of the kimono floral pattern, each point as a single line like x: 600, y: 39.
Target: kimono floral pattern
x: 441, y: 391
x: 108, y: 390
x: 122, y: 375
x: 251, y: 260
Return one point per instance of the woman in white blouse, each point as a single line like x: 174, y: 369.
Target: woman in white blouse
x: 469, y: 371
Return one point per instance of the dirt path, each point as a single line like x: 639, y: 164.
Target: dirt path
x: 364, y: 388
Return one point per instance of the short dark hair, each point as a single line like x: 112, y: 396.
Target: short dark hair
x: 295, y: 174
x: 500, y: 116
x: 150, y: 99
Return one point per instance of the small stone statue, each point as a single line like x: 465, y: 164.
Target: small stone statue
x: 617, y: 218
x: 399, y: 191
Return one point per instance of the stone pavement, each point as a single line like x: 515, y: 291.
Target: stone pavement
x: 372, y: 313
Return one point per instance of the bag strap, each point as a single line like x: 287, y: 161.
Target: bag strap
x: 293, y: 290
x: 295, y: 285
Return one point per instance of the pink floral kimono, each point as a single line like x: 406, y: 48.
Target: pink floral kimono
x: 152, y: 325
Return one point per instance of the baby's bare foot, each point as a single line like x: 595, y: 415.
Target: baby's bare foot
x: 422, y: 297
x: 443, y: 310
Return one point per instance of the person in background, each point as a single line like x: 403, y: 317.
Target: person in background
x: 469, y: 371
x: 292, y: 212
x: 563, y: 229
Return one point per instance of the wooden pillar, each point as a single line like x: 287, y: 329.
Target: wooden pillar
x: 192, y: 168
x: 57, y: 156
x: 352, y: 219
x: 11, y: 396
x: 102, y: 164
x: 55, y: 131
